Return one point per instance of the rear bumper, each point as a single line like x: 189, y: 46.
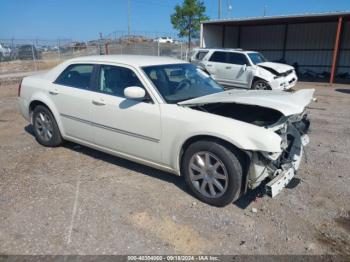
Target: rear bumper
x: 23, y: 105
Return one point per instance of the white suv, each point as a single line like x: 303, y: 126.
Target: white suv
x: 244, y: 69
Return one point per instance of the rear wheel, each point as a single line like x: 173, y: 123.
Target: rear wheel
x: 261, y: 85
x: 46, y: 130
x: 213, y: 172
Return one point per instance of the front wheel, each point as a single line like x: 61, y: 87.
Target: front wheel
x: 213, y: 172
x: 261, y: 85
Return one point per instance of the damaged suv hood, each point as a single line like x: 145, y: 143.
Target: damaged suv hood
x: 284, y: 102
x: 279, y: 68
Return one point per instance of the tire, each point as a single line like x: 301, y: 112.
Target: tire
x: 260, y: 85
x: 46, y: 130
x: 229, y: 166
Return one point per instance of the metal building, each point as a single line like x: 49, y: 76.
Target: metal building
x: 318, y: 45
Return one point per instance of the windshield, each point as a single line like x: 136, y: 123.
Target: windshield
x: 180, y: 82
x: 257, y: 58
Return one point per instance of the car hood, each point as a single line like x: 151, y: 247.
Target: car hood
x: 279, y: 68
x: 284, y: 102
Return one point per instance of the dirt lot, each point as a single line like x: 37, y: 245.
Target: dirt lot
x: 27, y: 65
x: 74, y: 200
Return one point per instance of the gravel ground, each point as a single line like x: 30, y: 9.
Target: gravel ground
x: 75, y: 200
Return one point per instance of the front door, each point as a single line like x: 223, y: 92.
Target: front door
x: 126, y: 126
x: 237, y: 70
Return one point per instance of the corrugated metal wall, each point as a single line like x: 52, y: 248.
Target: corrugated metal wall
x: 344, y: 54
x: 212, y: 35
x: 309, y: 45
x: 267, y: 39
x: 231, y: 37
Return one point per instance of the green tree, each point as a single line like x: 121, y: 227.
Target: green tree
x: 187, y: 18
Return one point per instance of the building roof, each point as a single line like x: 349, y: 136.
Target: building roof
x: 298, y: 18
x: 132, y: 60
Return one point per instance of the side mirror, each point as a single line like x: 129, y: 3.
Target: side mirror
x: 244, y: 67
x: 134, y: 92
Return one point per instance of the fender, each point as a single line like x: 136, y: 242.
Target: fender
x: 263, y: 74
x: 43, y: 98
x: 247, y: 144
x: 198, y: 123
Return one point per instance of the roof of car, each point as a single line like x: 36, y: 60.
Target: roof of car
x: 133, y: 60
x: 226, y: 50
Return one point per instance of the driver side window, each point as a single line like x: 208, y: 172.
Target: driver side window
x: 113, y: 80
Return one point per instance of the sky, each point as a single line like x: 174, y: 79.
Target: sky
x: 85, y: 19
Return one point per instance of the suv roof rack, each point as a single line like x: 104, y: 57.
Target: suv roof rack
x: 220, y: 48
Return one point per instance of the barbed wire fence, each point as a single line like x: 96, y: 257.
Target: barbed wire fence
x: 22, y: 55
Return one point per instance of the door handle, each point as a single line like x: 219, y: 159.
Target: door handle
x: 53, y: 92
x: 228, y: 67
x: 98, y: 103
x: 209, y: 65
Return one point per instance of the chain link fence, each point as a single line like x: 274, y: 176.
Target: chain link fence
x: 21, y: 55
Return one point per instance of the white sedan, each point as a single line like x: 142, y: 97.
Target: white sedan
x: 166, y: 113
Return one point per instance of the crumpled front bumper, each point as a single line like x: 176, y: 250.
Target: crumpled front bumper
x: 282, y: 168
x: 284, y: 82
x: 283, y: 176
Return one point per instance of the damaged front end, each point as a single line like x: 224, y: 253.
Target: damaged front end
x: 281, y: 167
x: 278, y: 112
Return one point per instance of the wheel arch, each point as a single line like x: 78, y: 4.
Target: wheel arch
x: 49, y: 105
x: 244, y: 156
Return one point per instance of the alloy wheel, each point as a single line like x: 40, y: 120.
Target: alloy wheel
x: 208, y: 174
x: 261, y: 86
x: 43, y: 126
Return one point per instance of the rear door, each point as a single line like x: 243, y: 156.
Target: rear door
x: 198, y: 57
x: 71, y: 95
x: 237, y: 72
x: 216, y: 65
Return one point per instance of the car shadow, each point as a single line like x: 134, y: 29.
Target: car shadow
x: 344, y: 91
x: 139, y: 168
x: 251, y: 196
x: 243, y: 202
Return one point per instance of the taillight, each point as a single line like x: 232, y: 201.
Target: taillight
x: 19, y: 88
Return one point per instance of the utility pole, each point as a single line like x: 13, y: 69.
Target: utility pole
x: 129, y: 15
x: 219, y: 9
x: 265, y: 10
x: 100, y: 43
x: 229, y: 8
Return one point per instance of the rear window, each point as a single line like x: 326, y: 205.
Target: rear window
x: 76, y: 76
x: 219, y: 57
x: 201, y: 54
x: 237, y: 59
